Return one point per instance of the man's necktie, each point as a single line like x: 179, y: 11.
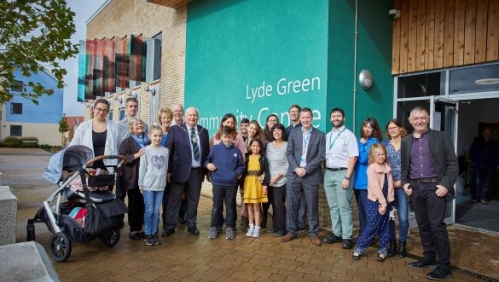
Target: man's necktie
x: 195, y: 145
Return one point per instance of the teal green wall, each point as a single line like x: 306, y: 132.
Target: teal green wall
x: 238, y: 49
x: 373, y: 53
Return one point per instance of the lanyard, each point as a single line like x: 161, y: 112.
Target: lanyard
x: 332, y: 143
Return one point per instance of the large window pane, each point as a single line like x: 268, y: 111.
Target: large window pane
x: 474, y: 79
x: 420, y: 85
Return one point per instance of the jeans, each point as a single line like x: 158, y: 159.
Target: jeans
x: 339, y: 201
x: 361, y: 197
x: 152, y: 201
x: 221, y: 194
x: 481, y: 183
x: 403, y: 216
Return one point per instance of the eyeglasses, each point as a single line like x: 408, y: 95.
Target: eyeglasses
x: 101, y: 110
x: 392, y: 128
x: 272, y: 120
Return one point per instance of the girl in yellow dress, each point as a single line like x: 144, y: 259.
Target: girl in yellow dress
x: 255, y: 186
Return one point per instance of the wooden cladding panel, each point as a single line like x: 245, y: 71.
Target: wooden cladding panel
x: 432, y: 34
x: 493, y: 31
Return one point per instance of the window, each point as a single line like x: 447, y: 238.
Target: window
x: 122, y: 113
x: 420, y: 85
x: 17, y: 86
x: 110, y: 116
x: 474, y: 79
x: 16, y: 108
x: 16, y: 130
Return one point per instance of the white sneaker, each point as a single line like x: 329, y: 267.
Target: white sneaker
x: 213, y: 233
x: 256, y: 232
x: 229, y: 233
x: 250, y: 231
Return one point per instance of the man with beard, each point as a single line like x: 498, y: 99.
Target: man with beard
x: 342, y: 152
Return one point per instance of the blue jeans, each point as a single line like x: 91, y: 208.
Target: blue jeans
x: 152, y: 201
x: 221, y: 194
x: 361, y: 197
x: 403, y: 216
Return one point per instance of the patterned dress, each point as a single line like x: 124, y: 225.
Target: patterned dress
x: 253, y: 189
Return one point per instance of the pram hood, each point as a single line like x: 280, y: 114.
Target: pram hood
x: 71, y: 158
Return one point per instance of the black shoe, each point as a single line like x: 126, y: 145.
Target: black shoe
x: 168, y: 232
x: 193, y: 230
x: 301, y: 229
x: 279, y: 233
x: 271, y: 230
x: 439, y: 273
x: 346, y: 244
x: 392, y: 249
x: 402, y: 250
x: 332, y: 239
x: 422, y: 263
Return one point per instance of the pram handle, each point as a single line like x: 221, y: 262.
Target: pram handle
x: 104, y: 157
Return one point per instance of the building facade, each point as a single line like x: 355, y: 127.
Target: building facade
x: 254, y: 58
x: 23, y: 118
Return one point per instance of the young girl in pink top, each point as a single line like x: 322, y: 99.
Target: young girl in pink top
x: 379, y: 194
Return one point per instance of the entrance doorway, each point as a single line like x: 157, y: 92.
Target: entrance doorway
x: 473, y: 114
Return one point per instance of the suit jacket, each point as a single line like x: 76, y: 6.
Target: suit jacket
x: 443, y: 157
x: 179, y: 144
x: 315, y: 155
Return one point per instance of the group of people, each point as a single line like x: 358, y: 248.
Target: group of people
x: 283, y: 168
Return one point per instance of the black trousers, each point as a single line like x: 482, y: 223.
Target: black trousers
x: 135, y: 209
x: 193, y: 191
x: 430, y: 214
x: 278, y: 200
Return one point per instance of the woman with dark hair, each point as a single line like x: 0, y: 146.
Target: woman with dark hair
x: 230, y: 121
x: 395, y: 132
x: 370, y: 133
x: 268, y: 135
x: 133, y: 147
x: 276, y: 177
x: 99, y: 134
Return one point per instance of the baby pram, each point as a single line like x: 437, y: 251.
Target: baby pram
x: 100, y: 213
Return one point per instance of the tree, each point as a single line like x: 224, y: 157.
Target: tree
x: 63, y: 128
x: 34, y: 36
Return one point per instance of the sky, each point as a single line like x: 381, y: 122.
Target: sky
x: 83, y: 11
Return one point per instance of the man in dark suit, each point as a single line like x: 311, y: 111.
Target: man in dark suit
x: 189, y: 146
x: 305, y: 153
x: 429, y: 171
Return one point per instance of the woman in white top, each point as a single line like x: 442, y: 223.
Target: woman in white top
x: 99, y: 134
x: 276, y: 176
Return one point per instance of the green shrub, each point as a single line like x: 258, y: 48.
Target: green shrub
x: 12, y: 140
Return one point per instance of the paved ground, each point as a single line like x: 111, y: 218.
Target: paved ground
x: 195, y: 258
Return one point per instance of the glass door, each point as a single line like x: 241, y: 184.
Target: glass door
x: 444, y: 117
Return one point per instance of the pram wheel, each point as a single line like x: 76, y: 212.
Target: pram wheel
x: 60, y: 247
x: 110, y: 238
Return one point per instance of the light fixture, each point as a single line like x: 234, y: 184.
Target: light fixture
x: 149, y: 89
x: 366, y: 79
x: 487, y: 81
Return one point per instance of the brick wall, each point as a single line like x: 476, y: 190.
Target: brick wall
x: 121, y: 18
